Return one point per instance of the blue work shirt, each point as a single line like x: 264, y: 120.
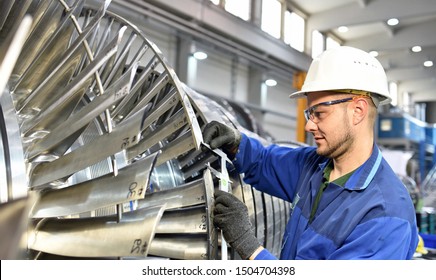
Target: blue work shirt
x: 371, y: 217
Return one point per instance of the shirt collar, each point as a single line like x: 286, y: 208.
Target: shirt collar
x: 364, y: 174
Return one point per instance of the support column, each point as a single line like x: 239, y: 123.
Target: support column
x: 297, y: 83
x: 257, y: 92
x: 256, y: 13
x: 184, y: 49
x: 422, y: 161
x: 430, y: 113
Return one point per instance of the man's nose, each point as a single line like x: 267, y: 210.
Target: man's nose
x: 310, y: 126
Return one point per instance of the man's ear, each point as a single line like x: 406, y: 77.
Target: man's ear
x: 360, y: 110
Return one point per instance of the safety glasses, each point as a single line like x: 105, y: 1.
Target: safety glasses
x: 321, y: 110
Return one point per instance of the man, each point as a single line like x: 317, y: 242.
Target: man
x: 347, y: 203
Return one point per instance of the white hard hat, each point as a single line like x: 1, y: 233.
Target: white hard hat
x: 346, y: 69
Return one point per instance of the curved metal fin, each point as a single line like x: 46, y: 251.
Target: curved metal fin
x: 97, y: 237
x: 184, y: 248
x: 130, y: 184
x: 187, y: 195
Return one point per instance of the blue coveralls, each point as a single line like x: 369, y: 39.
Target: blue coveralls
x: 371, y: 217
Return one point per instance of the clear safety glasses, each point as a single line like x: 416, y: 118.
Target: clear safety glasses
x: 321, y: 110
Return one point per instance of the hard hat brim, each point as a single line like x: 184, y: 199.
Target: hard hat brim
x: 381, y: 100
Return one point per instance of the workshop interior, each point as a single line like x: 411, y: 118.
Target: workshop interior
x: 103, y: 104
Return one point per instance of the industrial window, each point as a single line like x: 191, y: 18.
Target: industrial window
x: 239, y: 8
x: 294, y: 30
x: 331, y: 43
x: 271, y: 17
x: 317, y: 43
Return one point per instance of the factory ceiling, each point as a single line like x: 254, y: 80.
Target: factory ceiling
x: 366, y: 21
x: 368, y: 29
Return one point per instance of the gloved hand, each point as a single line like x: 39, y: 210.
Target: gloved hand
x: 231, y: 216
x: 219, y: 135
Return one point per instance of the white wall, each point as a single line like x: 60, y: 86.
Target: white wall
x: 278, y: 100
x: 214, y: 76
x: 165, y: 39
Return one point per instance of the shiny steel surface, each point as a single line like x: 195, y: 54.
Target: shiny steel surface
x: 212, y: 236
x: 13, y: 224
x: 83, y: 117
x: 13, y: 179
x: 277, y: 226
x: 269, y: 222
x: 185, y: 220
x: 259, y: 216
x: 182, y: 248
x: 189, y: 194
x: 98, y: 236
x: 10, y: 48
x: 97, y: 126
x: 130, y: 184
x: 106, y: 145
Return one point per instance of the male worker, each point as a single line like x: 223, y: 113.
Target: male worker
x: 347, y: 203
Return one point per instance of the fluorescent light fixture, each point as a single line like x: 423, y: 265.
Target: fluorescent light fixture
x: 428, y: 63
x: 342, y: 29
x: 393, y: 21
x: 200, y: 55
x: 374, y: 53
x: 271, y: 82
x: 416, y: 49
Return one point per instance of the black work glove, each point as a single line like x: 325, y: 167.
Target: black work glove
x: 219, y: 135
x: 231, y: 216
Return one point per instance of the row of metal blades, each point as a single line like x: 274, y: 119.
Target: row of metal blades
x: 109, y: 142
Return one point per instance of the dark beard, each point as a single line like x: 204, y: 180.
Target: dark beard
x: 339, y: 149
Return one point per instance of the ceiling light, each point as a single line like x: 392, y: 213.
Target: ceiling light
x: 416, y: 49
x: 342, y: 29
x: 428, y: 63
x: 271, y: 82
x: 374, y: 53
x: 393, y: 21
x: 200, y: 55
